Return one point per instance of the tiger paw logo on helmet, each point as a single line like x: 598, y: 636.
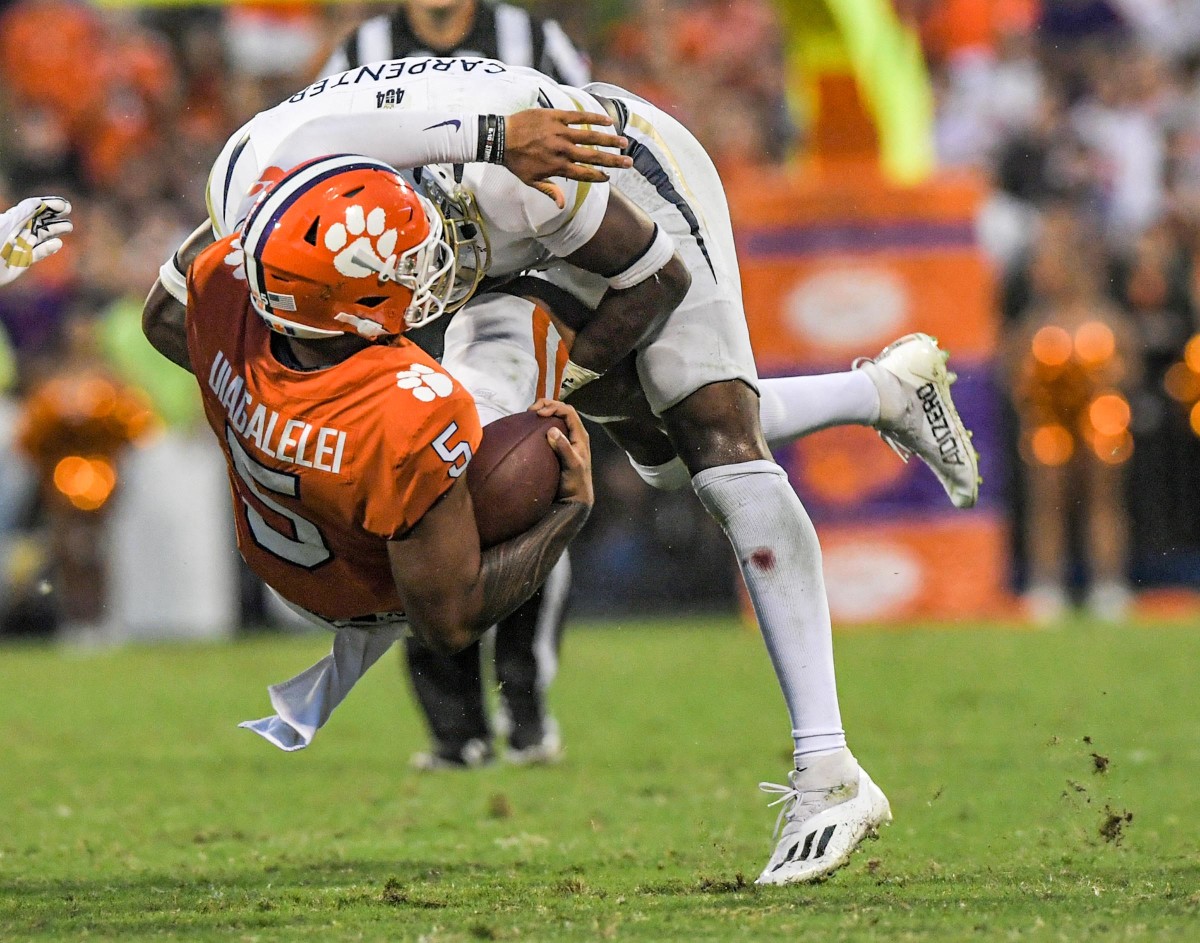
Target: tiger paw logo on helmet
x: 373, y: 243
x: 425, y: 382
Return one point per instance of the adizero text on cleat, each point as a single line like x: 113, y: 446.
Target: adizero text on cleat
x: 917, y: 414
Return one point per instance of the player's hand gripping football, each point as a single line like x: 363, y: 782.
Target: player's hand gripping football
x: 574, y: 451
x: 549, y: 142
x: 30, y: 232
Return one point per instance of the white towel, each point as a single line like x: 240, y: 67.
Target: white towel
x: 304, y: 703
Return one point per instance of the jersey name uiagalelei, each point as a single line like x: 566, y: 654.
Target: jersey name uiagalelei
x: 397, y: 68
x: 295, y: 443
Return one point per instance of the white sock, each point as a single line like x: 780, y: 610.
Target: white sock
x: 670, y: 476
x: 791, y: 407
x: 780, y: 559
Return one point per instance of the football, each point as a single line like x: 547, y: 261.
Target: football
x: 513, y: 478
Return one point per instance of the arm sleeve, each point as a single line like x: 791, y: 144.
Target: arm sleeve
x: 403, y: 139
x: 425, y: 465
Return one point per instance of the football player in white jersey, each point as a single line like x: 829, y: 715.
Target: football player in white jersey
x: 652, y: 255
x: 30, y: 232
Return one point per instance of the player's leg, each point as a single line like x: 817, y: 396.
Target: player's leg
x: 716, y: 434
x: 697, y: 371
x: 715, y: 431
x: 508, y: 354
x: 904, y: 394
x: 534, y: 630
x: 793, y: 407
x: 711, y: 437
x: 449, y: 691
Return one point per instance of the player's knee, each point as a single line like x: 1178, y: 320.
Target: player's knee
x: 444, y: 640
x: 717, y: 425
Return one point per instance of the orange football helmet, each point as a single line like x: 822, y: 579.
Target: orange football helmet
x: 343, y: 245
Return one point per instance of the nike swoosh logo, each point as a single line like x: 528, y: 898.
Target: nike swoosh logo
x: 454, y: 121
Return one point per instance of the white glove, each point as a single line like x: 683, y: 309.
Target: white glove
x: 29, y: 233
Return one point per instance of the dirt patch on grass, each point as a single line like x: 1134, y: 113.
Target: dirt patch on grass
x: 499, y: 806
x: 1114, y: 823
x: 708, y: 885
x: 396, y: 895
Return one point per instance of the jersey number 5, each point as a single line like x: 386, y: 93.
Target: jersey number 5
x: 456, y: 456
x: 307, y: 548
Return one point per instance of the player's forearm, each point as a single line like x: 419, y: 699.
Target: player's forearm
x: 623, y: 317
x: 511, y: 572
x: 164, y: 322
x: 449, y: 613
x: 404, y: 139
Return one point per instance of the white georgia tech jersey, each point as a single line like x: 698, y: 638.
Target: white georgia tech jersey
x: 409, y: 113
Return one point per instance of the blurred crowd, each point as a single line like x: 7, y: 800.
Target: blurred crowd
x: 123, y: 112
x: 1085, y: 114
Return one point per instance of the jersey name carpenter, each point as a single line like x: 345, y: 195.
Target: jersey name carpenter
x: 388, y: 71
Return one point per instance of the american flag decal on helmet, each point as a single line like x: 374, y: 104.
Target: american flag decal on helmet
x: 282, y: 302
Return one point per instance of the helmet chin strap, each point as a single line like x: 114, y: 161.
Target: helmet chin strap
x: 365, y: 327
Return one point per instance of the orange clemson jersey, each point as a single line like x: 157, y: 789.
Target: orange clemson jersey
x: 327, y: 465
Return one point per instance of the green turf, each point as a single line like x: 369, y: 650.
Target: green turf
x: 131, y: 808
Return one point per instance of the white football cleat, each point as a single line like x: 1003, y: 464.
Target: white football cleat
x: 471, y: 755
x: 829, y: 808
x: 546, y: 752
x: 917, y: 414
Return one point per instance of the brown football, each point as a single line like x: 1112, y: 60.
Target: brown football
x: 513, y: 478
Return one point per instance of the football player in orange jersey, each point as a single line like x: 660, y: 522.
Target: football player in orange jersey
x: 346, y: 444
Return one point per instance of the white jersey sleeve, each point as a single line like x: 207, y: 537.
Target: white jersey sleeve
x: 563, y: 231
x: 408, y: 113
x: 403, y: 139
x: 514, y: 213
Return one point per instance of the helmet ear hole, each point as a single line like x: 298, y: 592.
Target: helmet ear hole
x: 371, y: 301
x: 311, y: 236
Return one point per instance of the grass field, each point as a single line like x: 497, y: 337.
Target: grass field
x: 131, y: 808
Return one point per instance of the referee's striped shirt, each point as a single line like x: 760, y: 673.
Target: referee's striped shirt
x: 500, y: 31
